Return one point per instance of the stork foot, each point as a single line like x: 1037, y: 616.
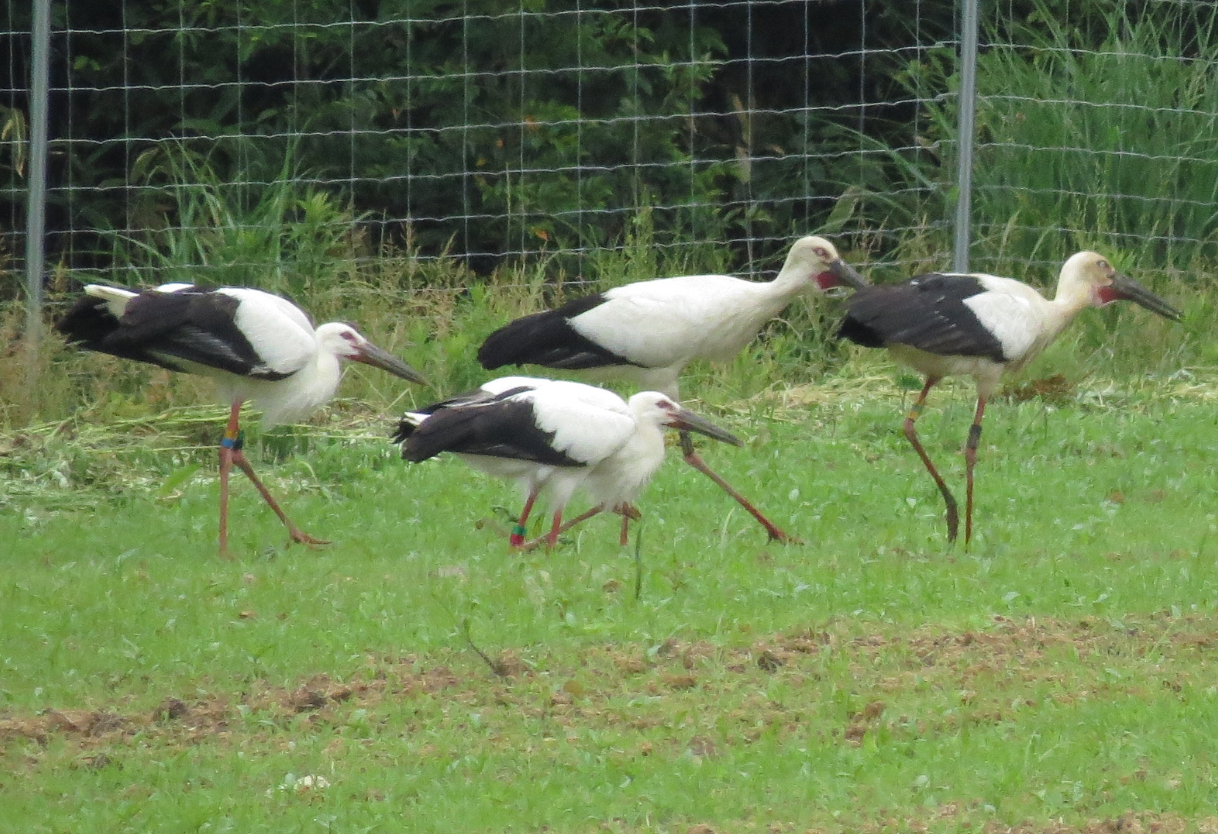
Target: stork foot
x: 953, y: 522
x: 301, y: 537
x: 540, y: 541
x: 779, y: 537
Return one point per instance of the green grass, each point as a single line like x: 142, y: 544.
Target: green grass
x: 873, y: 679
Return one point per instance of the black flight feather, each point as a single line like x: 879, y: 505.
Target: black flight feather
x: 168, y: 329
x: 476, y: 396
x: 501, y: 428
x: 548, y: 339
x: 927, y: 312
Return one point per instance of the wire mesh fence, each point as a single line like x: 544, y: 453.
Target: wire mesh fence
x: 484, y: 130
x: 1096, y: 125
x: 189, y: 137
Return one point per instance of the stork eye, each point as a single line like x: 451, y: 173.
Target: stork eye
x: 822, y: 254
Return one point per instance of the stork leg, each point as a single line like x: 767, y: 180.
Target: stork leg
x: 230, y: 454
x: 911, y: 434
x: 516, y: 540
x: 230, y: 439
x: 294, y: 533
x: 551, y: 538
x: 970, y: 460
x: 555, y: 528
x: 695, y: 460
x: 626, y: 511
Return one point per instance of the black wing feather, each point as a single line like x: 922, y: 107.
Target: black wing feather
x: 502, y: 429
x: 476, y: 396
x: 927, y: 312
x: 162, y: 327
x: 548, y: 339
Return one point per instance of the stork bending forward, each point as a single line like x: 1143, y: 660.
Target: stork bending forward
x: 648, y: 331
x: 982, y: 326
x: 556, y: 437
x: 254, y: 345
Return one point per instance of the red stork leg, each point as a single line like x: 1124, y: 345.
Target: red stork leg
x: 695, y: 460
x: 627, y: 512
x: 516, y: 540
x: 970, y: 460
x: 911, y: 434
x: 294, y: 533
x: 231, y: 433
x: 230, y: 454
x: 555, y: 528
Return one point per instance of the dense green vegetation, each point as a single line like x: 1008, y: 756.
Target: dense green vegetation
x: 546, y: 125
x: 549, y: 128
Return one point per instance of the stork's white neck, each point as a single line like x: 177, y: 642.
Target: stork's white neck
x: 1073, y: 295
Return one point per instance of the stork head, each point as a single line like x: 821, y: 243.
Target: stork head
x: 662, y: 410
x: 345, y: 342
x: 815, y: 259
x: 1094, y: 275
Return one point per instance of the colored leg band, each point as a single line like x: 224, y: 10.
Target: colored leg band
x: 519, y: 530
x: 234, y: 443
x: 974, y: 436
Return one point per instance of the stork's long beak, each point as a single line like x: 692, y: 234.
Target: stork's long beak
x: 686, y: 420
x: 840, y: 274
x: 370, y: 354
x: 1125, y: 287
x: 847, y: 274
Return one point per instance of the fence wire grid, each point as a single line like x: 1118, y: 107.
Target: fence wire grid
x: 494, y: 134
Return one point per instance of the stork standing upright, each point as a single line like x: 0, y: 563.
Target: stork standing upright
x: 254, y: 345
x: 555, y: 436
x: 648, y: 331
x: 944, y: 324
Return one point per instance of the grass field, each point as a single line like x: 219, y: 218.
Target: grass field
x: 415, y: 676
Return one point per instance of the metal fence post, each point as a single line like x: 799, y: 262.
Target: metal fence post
x: 964, y: 143
x: 35, y: 215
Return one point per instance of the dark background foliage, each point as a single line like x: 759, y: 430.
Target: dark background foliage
x: 474, y: 133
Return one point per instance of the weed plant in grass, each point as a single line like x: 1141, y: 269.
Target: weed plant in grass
x: 871, y: 680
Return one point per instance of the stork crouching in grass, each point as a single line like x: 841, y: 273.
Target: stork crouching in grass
x: 648, y: 331
x: 254, y: 345
x: 944, y: 324
x: 555, y: 436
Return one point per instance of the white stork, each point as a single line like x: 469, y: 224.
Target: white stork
x: 982, y: 326
x: 255, y: 345
x: 555, y: 436
x: 648, y: 331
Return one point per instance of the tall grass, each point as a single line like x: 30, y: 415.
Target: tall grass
x: 1085, y: 144
x: 275, y: 233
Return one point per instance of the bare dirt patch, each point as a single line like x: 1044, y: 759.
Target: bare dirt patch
x: 1011, y: 656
